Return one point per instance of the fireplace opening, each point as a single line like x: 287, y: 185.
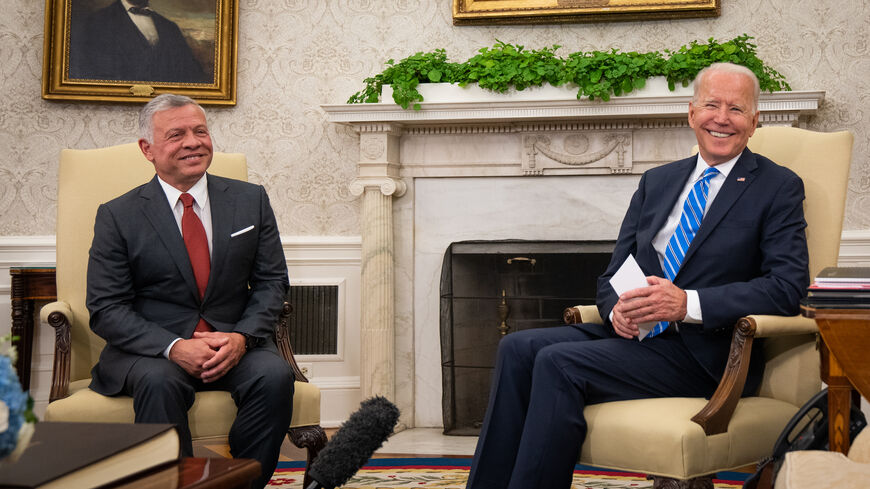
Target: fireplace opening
x: 493, y: 288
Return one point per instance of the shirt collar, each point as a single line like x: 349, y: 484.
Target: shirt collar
x: 199, y: 191
x: 127, y: 5
x: 724, y: 168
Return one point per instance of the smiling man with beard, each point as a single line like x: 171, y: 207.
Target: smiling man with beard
x: 719, y: 235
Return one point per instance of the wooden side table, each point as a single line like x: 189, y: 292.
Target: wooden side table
x: 845, y: 364
x: 29, y: 285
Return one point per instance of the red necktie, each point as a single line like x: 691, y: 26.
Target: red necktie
x: 197, y: 250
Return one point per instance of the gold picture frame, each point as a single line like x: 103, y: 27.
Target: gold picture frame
x: 477, y: 12
x: 95, y: 50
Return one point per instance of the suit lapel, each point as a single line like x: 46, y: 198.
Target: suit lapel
x: 669, y: 191
x: 222, y: 218
x: 159, y: 214
x: 739, y: 179
x: 665, y: 195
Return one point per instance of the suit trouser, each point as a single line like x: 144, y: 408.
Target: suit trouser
x: 261, y: 385
x: 543, y: 378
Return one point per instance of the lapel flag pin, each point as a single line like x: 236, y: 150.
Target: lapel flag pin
x: 741, y: 179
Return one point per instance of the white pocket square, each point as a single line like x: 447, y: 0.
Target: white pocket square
x: 241, y: 231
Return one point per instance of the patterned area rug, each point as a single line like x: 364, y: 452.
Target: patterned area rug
x: 451, y: 473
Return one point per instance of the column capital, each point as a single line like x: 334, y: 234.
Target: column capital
x: 379, y: 163
x: 387, y: 186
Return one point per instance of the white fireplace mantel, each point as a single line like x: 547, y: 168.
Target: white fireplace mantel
x: 781, y: 108
x: 527, y: 150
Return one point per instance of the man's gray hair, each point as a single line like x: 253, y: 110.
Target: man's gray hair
x: 160, y: 103
x: 728, y: 68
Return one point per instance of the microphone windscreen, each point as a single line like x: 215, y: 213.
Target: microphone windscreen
x: 355, y: 442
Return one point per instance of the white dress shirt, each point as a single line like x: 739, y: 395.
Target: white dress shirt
x: 199, y: 192
x: 144, y: 22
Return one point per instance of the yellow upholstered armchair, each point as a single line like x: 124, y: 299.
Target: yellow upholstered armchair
x: 85, y: 180
x: 682, y: 441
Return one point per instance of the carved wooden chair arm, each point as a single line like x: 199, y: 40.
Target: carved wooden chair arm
x: 716, y: 415
x: 59, y: 316
x: 282, y: 339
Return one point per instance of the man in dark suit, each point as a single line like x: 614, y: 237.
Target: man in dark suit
x: 129, y: 41
x: 748, y: 256
x: 186, y: 278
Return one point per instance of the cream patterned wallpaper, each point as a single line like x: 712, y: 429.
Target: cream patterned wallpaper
x: 297, y: 54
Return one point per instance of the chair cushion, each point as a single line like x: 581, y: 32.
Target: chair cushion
x: 815, y: 469
x: 647, y: 435
x: 860, y: 449
x: 211, y: 415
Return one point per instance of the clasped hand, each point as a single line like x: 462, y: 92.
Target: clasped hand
x: 208, y: 355
x: 660, y: 301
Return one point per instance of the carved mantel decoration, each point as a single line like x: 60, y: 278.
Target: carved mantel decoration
x: 540, y: 142
x: 578, y: 153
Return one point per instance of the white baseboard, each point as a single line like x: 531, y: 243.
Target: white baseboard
x: 337, y: 394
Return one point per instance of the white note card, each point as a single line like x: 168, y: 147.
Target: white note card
x: 629, y: 277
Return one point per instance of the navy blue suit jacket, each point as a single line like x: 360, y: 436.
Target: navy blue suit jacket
x: 749, y: 256
x: 141, y: 292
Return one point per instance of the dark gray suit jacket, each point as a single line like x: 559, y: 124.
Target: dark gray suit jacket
x: 141, y: 292
x: 749, y: 256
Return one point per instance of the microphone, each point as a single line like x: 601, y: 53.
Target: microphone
x: 354, y: 443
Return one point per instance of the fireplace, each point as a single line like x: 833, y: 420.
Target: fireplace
x: 493, y: 288
x: 561, y: 169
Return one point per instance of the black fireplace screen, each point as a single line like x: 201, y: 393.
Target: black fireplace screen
x: 493, y: 288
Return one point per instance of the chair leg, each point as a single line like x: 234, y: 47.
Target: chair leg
x: 311, y: 438
x: 703, y: 482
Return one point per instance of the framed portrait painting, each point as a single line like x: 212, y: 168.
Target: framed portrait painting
x: 475, y: 12
x: 133, y: 50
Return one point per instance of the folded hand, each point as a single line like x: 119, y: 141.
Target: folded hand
x: 229, y: 349
x: 191, y: 354
x: 660, y: 301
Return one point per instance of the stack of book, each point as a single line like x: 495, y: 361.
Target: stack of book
x: 840, y: 287
x: 85, y: 455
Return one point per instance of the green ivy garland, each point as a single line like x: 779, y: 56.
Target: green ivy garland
x: 597, y: 74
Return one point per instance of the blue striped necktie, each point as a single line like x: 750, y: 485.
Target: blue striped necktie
x: 690, y: 221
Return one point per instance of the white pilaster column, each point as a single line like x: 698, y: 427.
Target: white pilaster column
x: 378, y: 183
